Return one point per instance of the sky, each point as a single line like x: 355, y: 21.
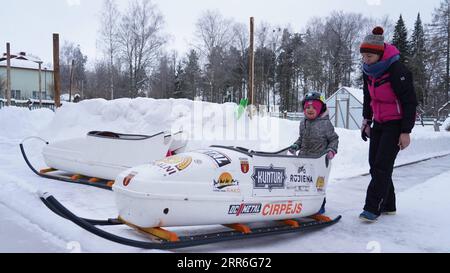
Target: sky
x: 29, y: 25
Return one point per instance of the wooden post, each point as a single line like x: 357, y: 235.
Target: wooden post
x: 8, y: 74
x: 40, y: 84
x: 45, y: 80
x: 71, y: 80
x: 56, y: 71
x: 82, y: 90
x: 251, y: 77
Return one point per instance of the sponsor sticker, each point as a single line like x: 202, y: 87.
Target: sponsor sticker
x: 128, y: 178
x: 282, y: 208
x: 301, y: 181
x: 299, y: 178
x: 320, y: 184
x: 269, y: 177
x: 219, y: 158
x: 244, y: 209
x: 198, y: 162
x: 174, y: 164
x: 245, y: 165
x: 303, y: 188
x: 226, y: 183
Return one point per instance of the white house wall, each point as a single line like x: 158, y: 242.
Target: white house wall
x: 27, y: 81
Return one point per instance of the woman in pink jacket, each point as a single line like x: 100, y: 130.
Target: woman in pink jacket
x: 389, y: 115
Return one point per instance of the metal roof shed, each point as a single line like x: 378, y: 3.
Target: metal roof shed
x: 346, y: 106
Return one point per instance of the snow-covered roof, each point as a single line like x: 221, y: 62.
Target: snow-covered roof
x: 65, y: 97
x: 25, y: 64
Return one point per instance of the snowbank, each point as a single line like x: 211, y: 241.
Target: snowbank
x: 203, y: 123
x: 446, y: 124
x: 18, y: 123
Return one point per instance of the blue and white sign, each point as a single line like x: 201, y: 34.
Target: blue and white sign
x: 269, y: 177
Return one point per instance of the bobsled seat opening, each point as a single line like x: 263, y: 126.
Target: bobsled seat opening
x: 251, y: 153
x: 112, y: 135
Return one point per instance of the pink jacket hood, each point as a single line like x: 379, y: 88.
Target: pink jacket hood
x: 389, y: 52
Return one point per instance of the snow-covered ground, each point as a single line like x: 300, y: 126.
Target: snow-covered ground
x: 27, y: 226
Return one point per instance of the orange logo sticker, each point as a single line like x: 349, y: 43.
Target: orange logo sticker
x: 226, y: 183
x: 128, y: 178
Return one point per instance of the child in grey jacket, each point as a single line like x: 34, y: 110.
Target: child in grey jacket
x: 317, y: 134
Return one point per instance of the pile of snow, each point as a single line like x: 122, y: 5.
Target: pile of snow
x: 203, y: 123
x: 446, y: 124
x: 18, y: 123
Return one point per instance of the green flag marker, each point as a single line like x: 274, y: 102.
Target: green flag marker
x: 241, y: 107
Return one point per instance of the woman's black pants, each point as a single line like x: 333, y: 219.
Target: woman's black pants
x: 384, y: 138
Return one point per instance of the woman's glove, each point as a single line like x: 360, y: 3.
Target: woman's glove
x: 365, y: 129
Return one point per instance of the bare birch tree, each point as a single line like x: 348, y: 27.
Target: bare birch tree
x: 213, y: 31
x: 214, y: 35
x: 141, y: 40
x: 109, y: 37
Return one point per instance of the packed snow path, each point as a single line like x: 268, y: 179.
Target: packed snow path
x: 419, y: 226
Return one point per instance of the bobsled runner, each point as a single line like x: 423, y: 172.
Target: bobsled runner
x: 229, y: 186
x: 99, y: 157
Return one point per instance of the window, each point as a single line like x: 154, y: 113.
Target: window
x: 15, y: 94
x: 36, y: 95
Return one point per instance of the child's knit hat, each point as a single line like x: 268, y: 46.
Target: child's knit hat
x: 316, y: 100
x: 318, y: 105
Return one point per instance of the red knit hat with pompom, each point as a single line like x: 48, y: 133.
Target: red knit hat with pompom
x: 374, y: 43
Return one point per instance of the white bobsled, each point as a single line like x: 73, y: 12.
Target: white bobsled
x: 221, y: 185
x: 105, y: 155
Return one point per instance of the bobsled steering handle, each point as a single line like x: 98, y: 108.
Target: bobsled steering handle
x: 34, y: 137
x: 22, y: 149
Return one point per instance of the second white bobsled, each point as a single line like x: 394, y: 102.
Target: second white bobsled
x: 105, y: 155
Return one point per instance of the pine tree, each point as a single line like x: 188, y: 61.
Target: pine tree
x: 400, y: 40
x: 193, y: 75
x: 440, y: 36
x: 180, y: 84
x: 417, y: 62
x: 285, y: 72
